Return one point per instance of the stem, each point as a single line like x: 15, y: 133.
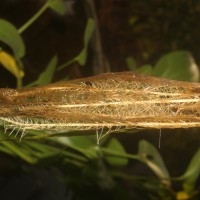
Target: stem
x: 66, y: 64
x: 101, y: 65
x: 63, y: 134
x: 34, y: 18
x: 19, y: 82
x: 110, y: 152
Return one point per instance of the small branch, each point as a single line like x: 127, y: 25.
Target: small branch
x: 33, y: 19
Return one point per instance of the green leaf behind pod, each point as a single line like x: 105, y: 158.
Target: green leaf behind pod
x: 153, y: 159
x: 47, y: 75
x: 9, y: 63
x: 10, y: 36
x: 58, y: 6
x: 114, y: 160
x: 82, y: 56
x: 177, y: 65
x: 192, y: 173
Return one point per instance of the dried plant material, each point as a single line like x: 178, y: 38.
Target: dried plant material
x: 112, y: 100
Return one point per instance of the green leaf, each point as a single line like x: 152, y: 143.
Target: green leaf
x: 47, y: 75
x: 58, y: 6
x: 6, y: 150
x: 81, y: 144
x: 192, y: 173
x: 82, y: 56
x: 9, y: 63
x: 17, y: 150
x: 178, y: 65
x: 145, y: 69
x: 117, y: 160
x: 131, y: 63
x: 88, y: 31
x: 10, y: 36
x: 153, y: 159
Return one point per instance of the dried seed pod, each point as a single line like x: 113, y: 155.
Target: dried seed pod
x: 121, y: 100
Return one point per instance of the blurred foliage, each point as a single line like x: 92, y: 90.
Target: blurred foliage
x: 177, y: 65
x: 162, y: 26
